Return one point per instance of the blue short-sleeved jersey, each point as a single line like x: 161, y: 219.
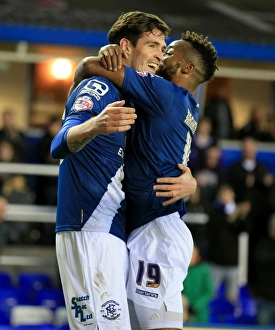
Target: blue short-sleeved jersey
x: 161, y: 138
x: 90, y: 195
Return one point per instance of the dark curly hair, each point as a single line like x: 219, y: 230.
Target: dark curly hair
x: 206, y: 52
x: 133, y: 24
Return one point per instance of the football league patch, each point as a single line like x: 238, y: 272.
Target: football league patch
x: 143, y: 73
x: 83, y: 103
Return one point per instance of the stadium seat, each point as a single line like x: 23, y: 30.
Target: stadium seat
x: 221, y: 310
x: 31, y: 283
x: 35, y: 281
x: 50, y: 298
x: 244, y: 292
x: 10, y: 297
x: 4, y: 317
x: 63, y: 327
x: 248, y: 307
x: 35, y: 327
x: 244, y: 311
x: 5, y: 280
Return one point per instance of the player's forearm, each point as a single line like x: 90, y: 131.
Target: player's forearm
x: 72, y: 139
x: 59, y: 147
x: 78, y: 136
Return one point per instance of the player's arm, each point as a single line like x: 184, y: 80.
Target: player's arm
x: 111, y: 57
x: 74, y: 135
x: 91, y: 66
x: 114, y: 118
x: 176, y: 187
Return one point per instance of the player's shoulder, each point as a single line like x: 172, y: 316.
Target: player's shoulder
x: 97, y: 87
x: 95, y: 82
x: 142, y: 73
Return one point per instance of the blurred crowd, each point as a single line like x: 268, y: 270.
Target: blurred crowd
x: 237, y: 196
x: 17, y: 147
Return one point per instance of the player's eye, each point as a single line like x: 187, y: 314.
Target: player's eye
x: 168, y: 52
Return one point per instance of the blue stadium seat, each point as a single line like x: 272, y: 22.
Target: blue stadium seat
x: 4, y: 317
x: 244, y: 311
x: 221, y: 310
x: 244, y: 292
x: 35, y: 327
x: 35, y: 281
x: 63, y: 327
x: 31, y: 283
x: 51, y: 298
x: 5, y: 280
x: 10, y: 297
x: 248, y: 307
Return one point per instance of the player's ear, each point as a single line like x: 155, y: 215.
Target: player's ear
x: 125, y: 45
x: 188, y: 68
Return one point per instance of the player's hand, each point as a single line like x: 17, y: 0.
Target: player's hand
x: 111, y: 57
x: 114, y: 118
x: 176, y: 188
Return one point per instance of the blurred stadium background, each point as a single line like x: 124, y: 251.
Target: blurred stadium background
x: 35, y: 33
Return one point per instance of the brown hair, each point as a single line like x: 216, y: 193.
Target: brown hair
x: 133, y: 24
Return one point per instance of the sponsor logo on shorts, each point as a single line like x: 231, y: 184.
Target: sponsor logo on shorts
x: 111, y: 310
x: 147, y: 293
x: 156, y: 316
x: 80, y: 308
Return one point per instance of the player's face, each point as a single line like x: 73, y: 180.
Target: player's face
x: 174, y: 57
x: 147, y: 55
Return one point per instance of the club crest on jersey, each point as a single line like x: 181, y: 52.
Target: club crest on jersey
x: 83, y: 103
x: 111, y: 310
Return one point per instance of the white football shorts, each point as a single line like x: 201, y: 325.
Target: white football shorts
x: 160, y: 253
x: 93, y: 268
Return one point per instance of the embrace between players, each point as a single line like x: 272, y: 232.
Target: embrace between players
x: 124, y: 143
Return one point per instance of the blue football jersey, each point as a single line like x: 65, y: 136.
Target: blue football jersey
x: 161, y: 138
x: 90, y: 195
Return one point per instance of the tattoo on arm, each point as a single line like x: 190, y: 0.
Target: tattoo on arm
x: 76, y: 145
